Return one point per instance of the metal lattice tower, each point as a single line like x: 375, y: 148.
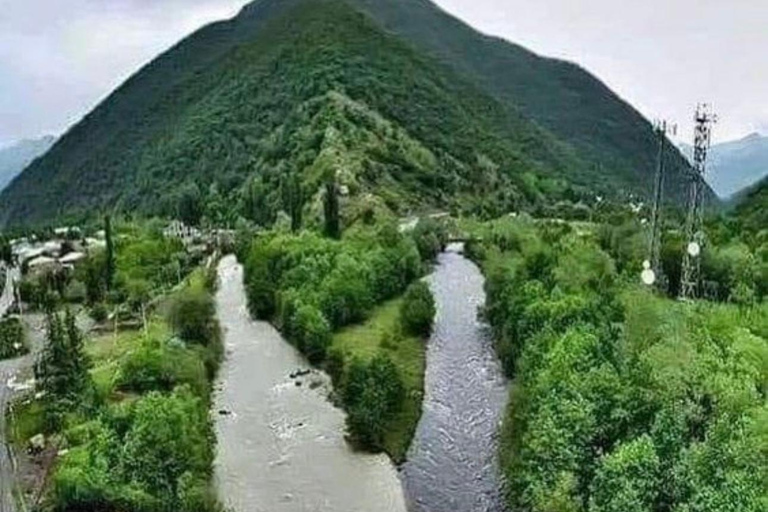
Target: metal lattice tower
x: 693, y: 224
x: 654, y: 248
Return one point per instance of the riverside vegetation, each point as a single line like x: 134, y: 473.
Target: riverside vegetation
x: 626, y: 400
x: 128, y: 410
x: 312, y: 287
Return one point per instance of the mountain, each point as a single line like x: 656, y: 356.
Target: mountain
x: 736, y: 165
x: 751, y: 207
x: 401, y: 100
x: 14, y: 158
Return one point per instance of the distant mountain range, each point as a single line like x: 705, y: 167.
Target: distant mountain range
x: 399, y: 100
x: 14, y: 158
x: 736, y: 165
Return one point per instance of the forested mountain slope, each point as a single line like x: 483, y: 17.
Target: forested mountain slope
x: 250, y: 105
x: 752, y: 207
x: 14, y: 158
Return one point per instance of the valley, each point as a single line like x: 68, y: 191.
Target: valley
x: 354, y: 255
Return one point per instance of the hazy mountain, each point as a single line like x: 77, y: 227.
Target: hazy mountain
x: 14, y: 158
x: 398, y: 99
x: 736, y: 165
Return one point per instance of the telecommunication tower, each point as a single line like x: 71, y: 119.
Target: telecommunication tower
x: 694, y: 237
x: 652, y: 273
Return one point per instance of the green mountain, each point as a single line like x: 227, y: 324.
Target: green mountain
x: 751, y: 207
x: 14, y: 158
x: 736, y: 165
x: 402, y: 101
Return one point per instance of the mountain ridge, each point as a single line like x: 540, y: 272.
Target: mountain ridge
x: 16, y: 156
x: 736, y: 165
x: 201, y: 112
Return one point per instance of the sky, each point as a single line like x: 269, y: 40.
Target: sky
x: 59, y: 58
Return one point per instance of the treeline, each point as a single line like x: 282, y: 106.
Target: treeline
x: 311, y: 286
x: 142, y: 439
x: 622, y: 400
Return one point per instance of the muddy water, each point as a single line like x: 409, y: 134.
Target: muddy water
x: 281, y: 446
x: 452, y: 463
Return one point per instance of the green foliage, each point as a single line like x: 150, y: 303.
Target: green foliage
x: 417, y: 312
x: 431, y: 237
x: 62, y: 369
x: 162, y: 366
x: 623, y: 400
x: 13, y: 341
x: 313, y: 286
x: 242, y: 118
x: 193, y: 315
x: 373, y: 393
x: 157, y: 460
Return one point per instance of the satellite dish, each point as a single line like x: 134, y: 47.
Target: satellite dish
x: 694, y: 249
x: 648, y: 276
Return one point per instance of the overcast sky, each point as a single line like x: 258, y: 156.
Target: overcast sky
x: 59, y: 58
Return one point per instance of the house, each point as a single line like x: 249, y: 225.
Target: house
x: 180, y: 231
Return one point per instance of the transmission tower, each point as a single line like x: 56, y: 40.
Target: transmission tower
x: 694, y: 236
x: 652, y: 273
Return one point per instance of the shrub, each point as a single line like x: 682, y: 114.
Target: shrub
x: 312, y: 332
x: 156, y: 366
x: 76, y: 292
x: 373, y: 394
x: 417, y: 311
x: 12, y: 338
x: 193, y: 316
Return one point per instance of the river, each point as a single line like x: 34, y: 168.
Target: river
x: 281, y: 446
x: 452, y: 464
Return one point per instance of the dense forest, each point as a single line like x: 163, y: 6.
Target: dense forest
x: 624, y: 399
x: 262, y: 104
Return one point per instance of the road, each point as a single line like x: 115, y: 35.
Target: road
x: 8, y: 369
x: 6, y: 299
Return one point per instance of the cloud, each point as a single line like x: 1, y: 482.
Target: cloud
x: 59, y: 59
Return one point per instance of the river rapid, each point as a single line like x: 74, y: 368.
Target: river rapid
x: 281, y: 446
x: 452, y: 464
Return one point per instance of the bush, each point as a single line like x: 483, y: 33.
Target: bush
x: 193, y: 316
x: 75, y: 292
x: 417, y: 311
x: 373, y: 393
x: 156, y: 366
x: 12, y: 338
x: 99, y: 312
x: 311, y: 332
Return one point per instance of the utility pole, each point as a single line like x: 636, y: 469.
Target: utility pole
x: 694, y: 237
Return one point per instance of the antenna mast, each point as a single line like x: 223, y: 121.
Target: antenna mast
x: 653, y: 263
x: 694, y: 236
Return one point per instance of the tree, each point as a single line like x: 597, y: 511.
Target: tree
x: 193, y: 316
x: 110, y: 267
x: 62, y: 371
x: 373, y: 393
x: 417, y: 310
x: 190, y: 206
x: 627, y: 479
x: 6, y: 253
x: 169, y: 437
x: 331, y: 207
x: 293, y: 198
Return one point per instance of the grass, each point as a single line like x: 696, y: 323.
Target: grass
x: 382, y: 332
x: 108, y: 350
